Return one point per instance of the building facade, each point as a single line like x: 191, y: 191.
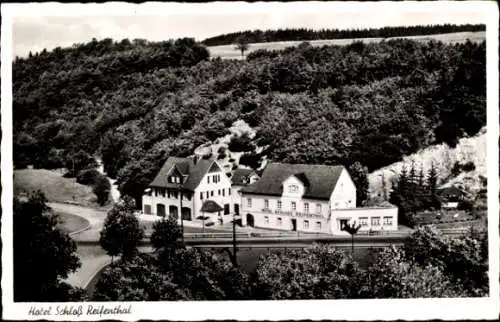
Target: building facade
x: 241, y: 178
x: 309, y: 198
x: 184, y: 184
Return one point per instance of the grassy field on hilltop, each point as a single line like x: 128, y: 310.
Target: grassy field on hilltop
x: 55, y: 187
x: 229, y: 51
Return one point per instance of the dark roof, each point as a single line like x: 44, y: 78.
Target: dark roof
x: 454, y: 191
x: 320, y: 180
x: 240, y: 176
x: 211, y: 206
x: 188, y: 167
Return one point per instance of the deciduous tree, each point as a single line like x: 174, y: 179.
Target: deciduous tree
x: 43, y: 255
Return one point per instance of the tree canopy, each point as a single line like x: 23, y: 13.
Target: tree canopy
x: 136, y: 103
x: 43, y: 255
x: 121, y: 233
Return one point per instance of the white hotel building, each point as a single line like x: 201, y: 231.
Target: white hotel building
x: 309, y: 198
x: 294, y: 197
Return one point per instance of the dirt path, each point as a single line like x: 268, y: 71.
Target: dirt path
x: 94, y: 216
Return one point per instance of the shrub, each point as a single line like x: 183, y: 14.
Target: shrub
x: 242, y: 143
x: 101, y: 188
x: 469, y: 166
x: 251, y: 159
x: 87, y: 176
x: 456, y: 169
x: 210, y: 223
x: 465, y: 205
x: 221, y: 156
x: 221, y: 150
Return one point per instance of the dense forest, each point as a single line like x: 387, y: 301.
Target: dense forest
x: 303, y: 34
x: 134, y: 103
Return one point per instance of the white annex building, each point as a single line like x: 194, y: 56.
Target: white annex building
x: 309, y: 198
x: 294, y: 197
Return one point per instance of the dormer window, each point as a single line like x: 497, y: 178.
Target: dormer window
x: 293, y: 188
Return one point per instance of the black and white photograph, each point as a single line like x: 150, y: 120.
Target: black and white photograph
x: 246, y: 160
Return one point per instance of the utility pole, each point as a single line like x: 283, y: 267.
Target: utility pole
x: 74, y: 175
x: 182, y: 218
x: 235, y: 262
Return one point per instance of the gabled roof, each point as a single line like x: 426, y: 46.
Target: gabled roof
x: 454, y: 191
x: 321, y: 179
x: 187, y: 166
x: 240, y: 176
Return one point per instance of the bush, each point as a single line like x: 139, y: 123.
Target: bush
x: 88, y: 176
x: 469, y: 166
x: 251, y: 159
x: 210, y: 223
x: 101, y: 188
x: 455, y: 171
x: 221, y: 156
x: 465, y: 205
x: 221, y: 150
x: 242, y: 143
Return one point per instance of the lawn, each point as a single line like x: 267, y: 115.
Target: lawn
x: 228, y: 51
x: 55, y: 187
x: 69, y: 223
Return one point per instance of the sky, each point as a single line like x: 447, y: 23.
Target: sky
x: 39, y: 29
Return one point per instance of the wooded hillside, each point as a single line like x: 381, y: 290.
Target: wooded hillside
x: 136, y: 103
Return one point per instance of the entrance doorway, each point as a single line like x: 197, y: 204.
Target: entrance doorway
x: 173, y: 212
x: 160, y: 210
x: 343, y: 223
x: 236, y: 209
x: 226, y: 209
x: 294, y: 224
x: 250, y: 220
x: 186, y: 213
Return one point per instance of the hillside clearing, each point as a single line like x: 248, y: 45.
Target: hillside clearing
x: 228, y: 51
x: 55, y: 187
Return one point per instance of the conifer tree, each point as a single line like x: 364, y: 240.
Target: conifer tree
x: 433, y: 200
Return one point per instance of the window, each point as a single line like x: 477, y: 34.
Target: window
x: 208, y: 195
x: 306, y: 224
x: 266, y: 220
x: 162, y: 191
x: 249, y: 202
x: 306, y: 207
x: 147, y: 209
x: 215, y: 179
x: 229, y: 191
x: 388, y: 221
x: 218, y: 192
x: 279, y: 204
x: 176, y: 195
x: 266, y: 204
x: 211, y: 193
x: 223, y: 192
x: 208, y: 179
x: 293, y: 188
x: 318, y: 225
x: 168, y: 193
x: 363, y: 221
x: 294, y: 205
x: 318, y: 208
x: 278, y: 221
x: 375, y: 221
